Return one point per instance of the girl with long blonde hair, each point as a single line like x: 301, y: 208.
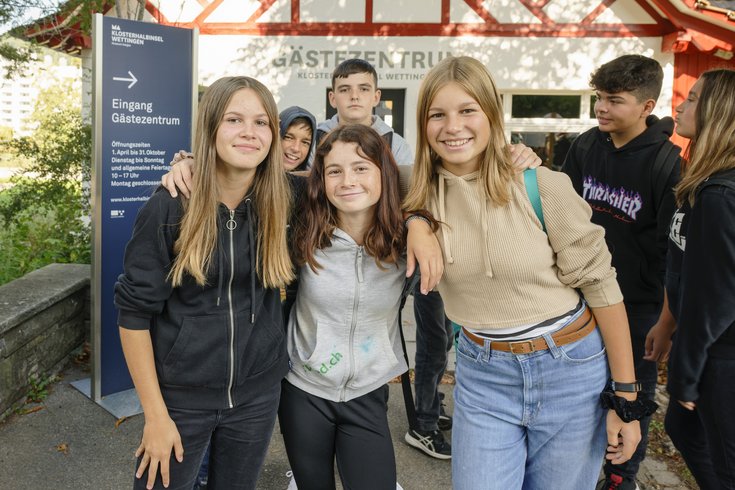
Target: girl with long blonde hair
x: 700, y: 284
x: 200, y: 316
x: 531, y: 358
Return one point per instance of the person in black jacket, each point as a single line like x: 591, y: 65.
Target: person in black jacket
x: 700, y: 282
x: 199, y: 304
x: 626, y: 169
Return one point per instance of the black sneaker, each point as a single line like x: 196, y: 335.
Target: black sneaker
x: 616, y: 482
x: 430, y: 442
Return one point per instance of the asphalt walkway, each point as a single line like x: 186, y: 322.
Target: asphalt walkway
x: 69, y: 442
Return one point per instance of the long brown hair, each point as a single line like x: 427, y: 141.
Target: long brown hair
x: 712, y: 149
x: 496, y: 170
x: 385, y: 239
x: 271, y: 194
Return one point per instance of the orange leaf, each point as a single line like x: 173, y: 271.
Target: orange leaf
x: 31, y: 410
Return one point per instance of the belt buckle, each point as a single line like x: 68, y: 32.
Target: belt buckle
x: 519, y: 345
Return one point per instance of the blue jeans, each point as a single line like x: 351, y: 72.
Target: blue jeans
x: 433, y: 341
x: 647, y: 373
x: 203, y: 476
x: 239, y: 440
x: 529, y: 421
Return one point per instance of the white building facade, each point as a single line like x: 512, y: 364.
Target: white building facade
x: 543, y: 77
x: 18, y: 94
x: 541, y: 52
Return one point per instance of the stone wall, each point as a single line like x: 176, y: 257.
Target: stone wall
x: 44, y: 315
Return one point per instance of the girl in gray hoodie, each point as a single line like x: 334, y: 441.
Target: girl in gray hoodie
x: 343, y: 338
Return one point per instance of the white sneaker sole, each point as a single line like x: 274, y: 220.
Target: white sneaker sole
x: 413, y: 442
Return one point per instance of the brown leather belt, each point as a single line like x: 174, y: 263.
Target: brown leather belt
x: 578, y: 329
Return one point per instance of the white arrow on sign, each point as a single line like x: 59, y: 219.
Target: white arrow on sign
x: 132, y: 79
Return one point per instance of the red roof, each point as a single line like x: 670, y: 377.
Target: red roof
x: 703, y: 26
x: 64, y: 31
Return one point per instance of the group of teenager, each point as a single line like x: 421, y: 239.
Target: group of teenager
x: 565, y: 288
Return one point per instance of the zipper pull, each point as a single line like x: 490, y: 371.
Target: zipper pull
x: 359, y: 264
x: 231, y: 223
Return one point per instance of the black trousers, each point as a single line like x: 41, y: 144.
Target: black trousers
x: 239, y: 439
x: 356, y: 432
x: 647, y: 373
x: 705, y: 437
x: 434, y: 339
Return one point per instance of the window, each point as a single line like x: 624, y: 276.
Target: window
x: 547, y: 122
x: 551, y: 147
x: 566, y: 106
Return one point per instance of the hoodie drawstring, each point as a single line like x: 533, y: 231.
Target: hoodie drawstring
x: 484, y: 217
x: 464, y: 182
x: 220, y: 263
x: 251, y: 246
x: 442, y: 218
x: 221, y: 260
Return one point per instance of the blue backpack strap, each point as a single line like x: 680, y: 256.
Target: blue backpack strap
x: 531, y: 181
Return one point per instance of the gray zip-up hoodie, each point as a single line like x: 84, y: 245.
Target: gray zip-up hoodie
x: 343, y: 337
x: 399, y: 147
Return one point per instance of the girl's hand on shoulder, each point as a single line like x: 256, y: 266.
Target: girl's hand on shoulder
x: 523, y: 157
x: 160, y: 436
x: 179, y: 178
x: 622, y: 438
x: 422, y: 247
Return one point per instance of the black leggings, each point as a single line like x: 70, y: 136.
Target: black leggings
x: 316, y: 430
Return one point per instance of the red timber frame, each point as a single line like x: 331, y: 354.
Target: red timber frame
x: 679, y: 18
x: 691, y: 30
x: 490, y: 28
x: 702, y: 40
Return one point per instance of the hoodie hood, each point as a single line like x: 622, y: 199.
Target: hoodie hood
x: 378, y: 125
x: 287, y: 116
x: 468, y: 185
x: 657, y: 131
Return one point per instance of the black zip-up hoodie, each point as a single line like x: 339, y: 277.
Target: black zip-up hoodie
x: 631, y: 203
x: 700, y: 283
x: 216, y: 345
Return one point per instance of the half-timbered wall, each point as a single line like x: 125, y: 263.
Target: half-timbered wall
x: 531, y: 46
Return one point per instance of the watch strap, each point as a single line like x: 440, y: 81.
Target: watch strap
x: 634, y: 387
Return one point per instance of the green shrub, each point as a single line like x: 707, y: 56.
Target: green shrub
x: 40, y: 234
x: 45, y: 218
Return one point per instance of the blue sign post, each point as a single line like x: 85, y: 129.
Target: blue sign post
x: 144, y: 96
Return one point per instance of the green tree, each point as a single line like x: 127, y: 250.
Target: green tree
x: 22, y: 18
x: 45, y: 214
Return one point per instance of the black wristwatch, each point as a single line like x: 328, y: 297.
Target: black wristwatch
x: 633, y: 387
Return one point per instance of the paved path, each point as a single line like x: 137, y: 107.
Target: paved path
x: 72, y: 443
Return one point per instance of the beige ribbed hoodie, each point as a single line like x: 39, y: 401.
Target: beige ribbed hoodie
x: 502, y: 270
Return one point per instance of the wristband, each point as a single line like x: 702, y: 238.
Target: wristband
x: 417, y: 216
x: 633, y: 387
x: 628, y: 411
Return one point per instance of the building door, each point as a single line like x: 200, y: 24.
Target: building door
x: 390, y: 109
